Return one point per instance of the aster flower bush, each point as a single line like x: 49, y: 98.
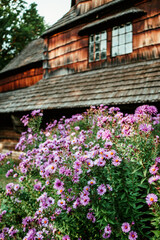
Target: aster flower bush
x: 92, y: 176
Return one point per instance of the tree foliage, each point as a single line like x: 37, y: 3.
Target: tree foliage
x: 19, y: 24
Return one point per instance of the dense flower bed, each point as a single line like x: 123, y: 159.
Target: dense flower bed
x: 92, y: 176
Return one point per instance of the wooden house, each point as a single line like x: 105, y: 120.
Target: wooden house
x: 100, y: 52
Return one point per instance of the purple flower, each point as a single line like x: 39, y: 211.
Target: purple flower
x: 61, y: 203
x: 21, y: 178
x: 132, y: 235
x: 126, y: 227
x: 109, y: 187
x: 45, y: 222
x: 39, y: 235
x: 100, y: 162
x: 153, y: 178
x: 9, y: 173
x: 145, y: 127
x: 91, y: 217
x: 116, y: 161
x: 66, y: 237
x: 108, y: 229
x: 76, y: 203
x: 91, y: 182
x: 89, y: 162
x: 154, y: 169
x: 58, y: 184
x: 107, y: 232
x: 16, y: 187
x: 36, y: 112
x: 84, y: 200
x: 38, y: 186
x: 151, y: 198
x: 157, y: 160
x: 51, y: 169
x: 101, y: 189
x: 106, y: 235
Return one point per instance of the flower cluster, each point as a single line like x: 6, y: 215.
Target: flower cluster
x: 85, y: 177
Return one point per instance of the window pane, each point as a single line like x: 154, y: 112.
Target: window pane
x: 91, y: 39
x: 97, y: 47
x: 114, y: 51
x: 121, y: 49
x: 121, y: 39
x: 103, y: 35
x: 97, y: 37
x: 129, y: 48
x: 128, y: 27
x: 91, y: 58
x: 115, y: 41
x: 103, y: 45
x: 122, y: 29
x: 97, y: 56
x: 129, y: 37
x: 103, y: 55
x: 115, y: 31
x: 91, y: 49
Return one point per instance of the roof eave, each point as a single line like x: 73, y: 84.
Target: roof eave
x: 89, y: 15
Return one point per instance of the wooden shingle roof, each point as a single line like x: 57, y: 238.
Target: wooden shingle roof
x: 114, y: 85
x: 32, y: 53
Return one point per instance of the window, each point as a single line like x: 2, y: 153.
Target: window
x: 122, y: 39
x: 97, y: 46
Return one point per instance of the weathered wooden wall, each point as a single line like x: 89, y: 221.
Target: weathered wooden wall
x: 84, y: 6
x: 20, y: 79
x: 68, y: 50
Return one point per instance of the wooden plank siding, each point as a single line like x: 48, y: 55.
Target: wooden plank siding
x: 68, y: 50
x: 21, y: 80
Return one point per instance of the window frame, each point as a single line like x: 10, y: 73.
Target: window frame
x: 122, y: 39
x: 98, y: 46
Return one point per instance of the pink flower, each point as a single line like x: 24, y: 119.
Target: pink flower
x: 84, y: 200
x: 109, y: 187
x: 151, y: 198
x: 132, y: 235
x: 91, y: 182
x: 61, y: 203
x: 154, y: 169
x: 66, y: 237
x: 116, y: 161
x: 45, y: 222
x: 89, y: 162
x: 16, y: 187
x: 126, y: 227
x: 153, y: 178
x: 50, y: 169
x: 108, y: 229
x: 101, y: 189
x: 58, y: 184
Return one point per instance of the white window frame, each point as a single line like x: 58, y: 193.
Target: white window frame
x: 122, y: 39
